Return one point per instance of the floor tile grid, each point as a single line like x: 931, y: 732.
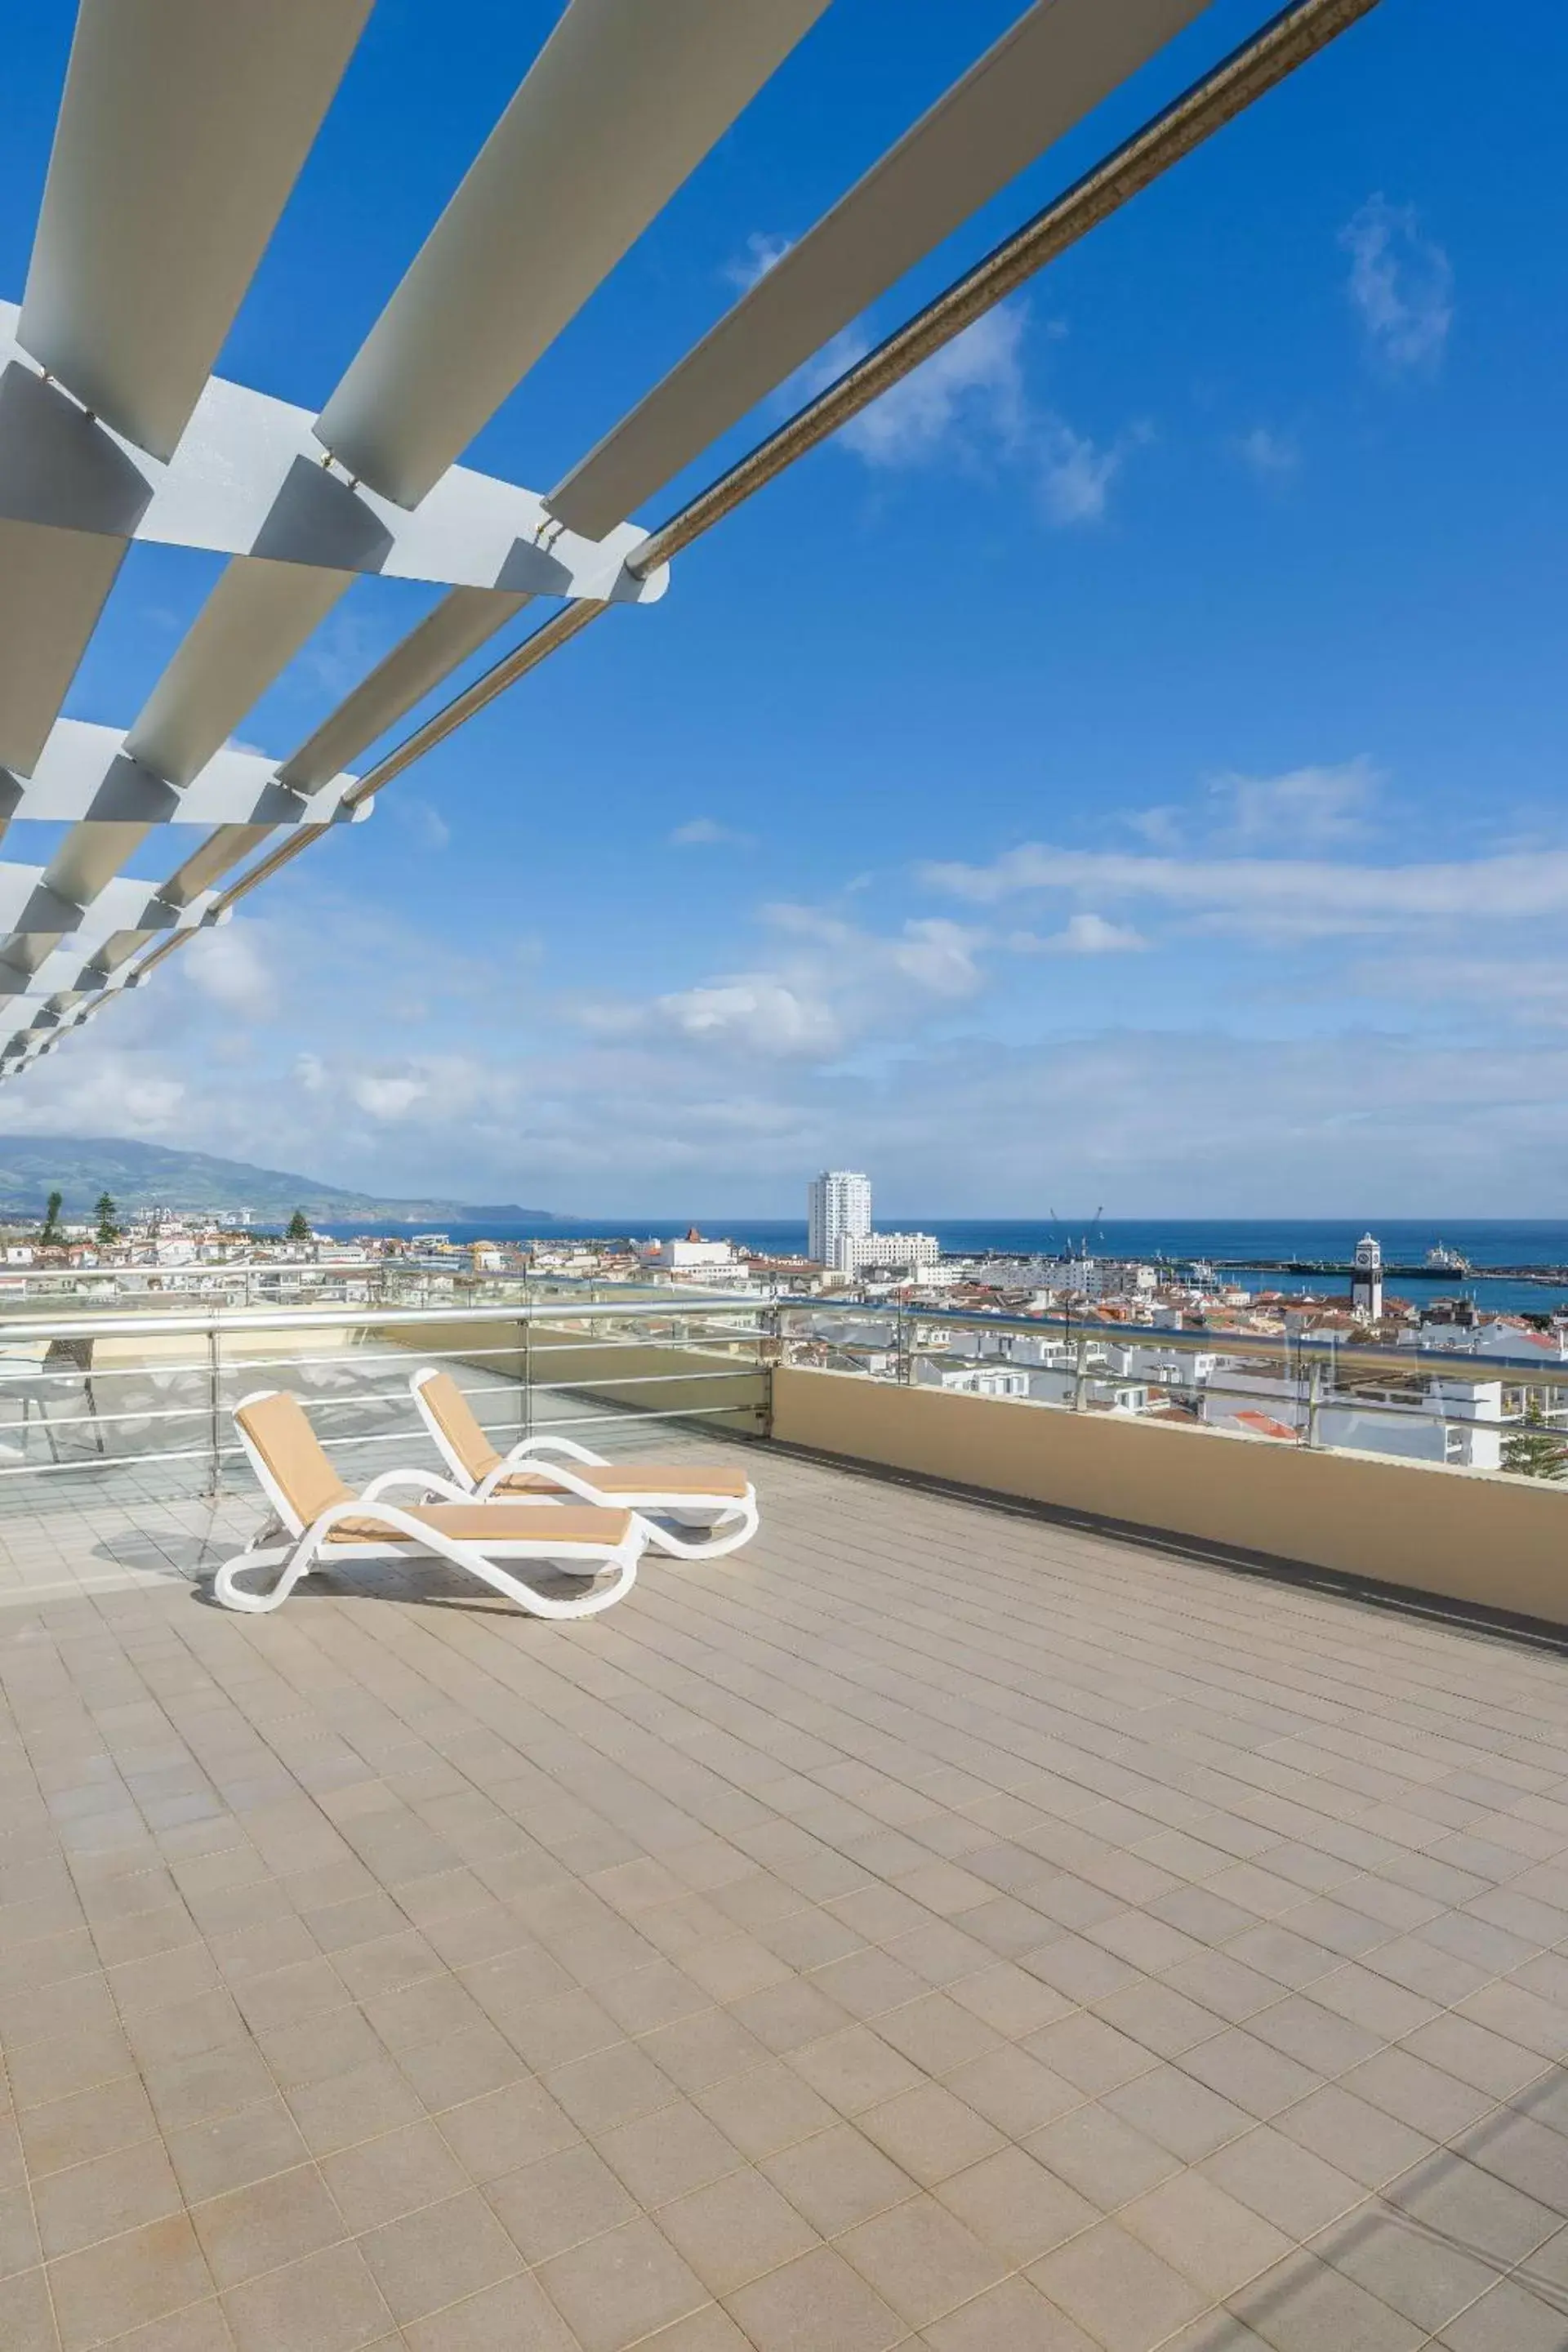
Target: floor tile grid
x: 1426, y: 1831
x: 1190, y: 1594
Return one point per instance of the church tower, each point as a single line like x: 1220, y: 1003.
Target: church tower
x: 1366, y: 1281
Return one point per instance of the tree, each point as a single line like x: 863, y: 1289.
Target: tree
x: 108, y: 1230
x: 51, y: 1236
x: 299, y: 1228
x: 1535, y: 1451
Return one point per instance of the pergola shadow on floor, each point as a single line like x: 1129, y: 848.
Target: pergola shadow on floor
x: 932, y: 1927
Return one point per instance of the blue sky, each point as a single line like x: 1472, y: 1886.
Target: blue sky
x: 1126, y: 766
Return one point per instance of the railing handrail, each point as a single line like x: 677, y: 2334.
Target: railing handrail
x: 196, y: 1322
x: 1300, y: 1349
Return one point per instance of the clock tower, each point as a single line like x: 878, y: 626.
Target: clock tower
x: 1366, y: 1281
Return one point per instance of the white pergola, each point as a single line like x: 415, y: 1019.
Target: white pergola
x: 182, y: 127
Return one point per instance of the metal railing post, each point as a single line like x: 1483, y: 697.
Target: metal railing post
x: 1314, y: 1399
x: 770, y: 1355
x: 215, y: 1436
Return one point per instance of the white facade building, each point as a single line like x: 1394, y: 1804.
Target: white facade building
x: 856, y: 1252
x: 1456, y: 1420
x: 1105, y: 1277
x: 991, y: 1381
x: 838, y: 1208
x: 1515, y: 1342
x: 685, y: 1257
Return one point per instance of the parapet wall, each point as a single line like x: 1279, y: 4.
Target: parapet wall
x: 1473, y: 1536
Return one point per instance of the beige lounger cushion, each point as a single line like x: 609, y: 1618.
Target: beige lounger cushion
x: 479, y: 1457
x: 483, y: 1524
x: 277, y: 1427
x: 647, y: 1478
x: 455, y: 1415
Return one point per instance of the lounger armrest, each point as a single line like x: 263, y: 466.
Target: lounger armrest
x: 547, y: 1445
x: 622, y: 1557
x: 423, y: 1482
x: 571, y: 1477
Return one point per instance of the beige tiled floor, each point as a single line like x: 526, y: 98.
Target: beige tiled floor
x: 933, y: 1927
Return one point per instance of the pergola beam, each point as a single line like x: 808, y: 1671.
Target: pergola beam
x: 1043, y: 76
x: 182, y: 130
x: 248, y: 479
x: 73, y: 949
x: 619, y: 108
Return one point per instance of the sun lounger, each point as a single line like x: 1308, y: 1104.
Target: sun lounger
x: 719, y: 1505
x: 318, y: 1521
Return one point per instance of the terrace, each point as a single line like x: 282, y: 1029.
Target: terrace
x: 945, y: 1924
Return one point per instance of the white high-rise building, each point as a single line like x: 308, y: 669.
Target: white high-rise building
x: 838, y: 1209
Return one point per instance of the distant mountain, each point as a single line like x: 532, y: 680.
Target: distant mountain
x: 147, y: 1176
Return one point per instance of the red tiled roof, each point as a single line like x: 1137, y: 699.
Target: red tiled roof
x: 1259, y: 1424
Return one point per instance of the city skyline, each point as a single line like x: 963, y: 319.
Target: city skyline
x: 1177, y: 824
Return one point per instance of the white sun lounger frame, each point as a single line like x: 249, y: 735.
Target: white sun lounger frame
x: 730, y: 1520
x: 295, y: 1556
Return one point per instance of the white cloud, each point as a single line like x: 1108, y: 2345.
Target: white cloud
x: 344, y: 646
x: 756, y: 1012
x: 1076, y: 474
x: 228, y: 965
x: 421, y: 819
x: 388, y: 1098
x: 972, y: 387
x: 1315, y: 896
x: 970, y: 404
x: 1270, y: 456
x: 837, y: 357
x: 1082, y: 935
x: 832, y: 1041
x: 1531, y: 991
x: 1309, y: 807
x: 763, y: 252
x: 829, y: 985
x: 1157, y: 828
x: 1401, y: 284
x: 706, y: 832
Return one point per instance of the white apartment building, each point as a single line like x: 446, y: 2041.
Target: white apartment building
x: 1518, y: 1343
x: 1454, y: 1419
x: 856, y: 1252
x: 957, y: 1380
x: 1100, y: 1391
x: 838, y: 1208
x: 1165, y: 1368
x: 686, y: 1257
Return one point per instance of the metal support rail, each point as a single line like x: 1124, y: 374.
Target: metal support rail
x: 140, y: 1389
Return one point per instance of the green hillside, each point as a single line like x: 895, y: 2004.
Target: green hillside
x: 149, y: 1175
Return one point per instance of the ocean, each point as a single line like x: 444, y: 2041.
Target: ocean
x: 1405, y: 1242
